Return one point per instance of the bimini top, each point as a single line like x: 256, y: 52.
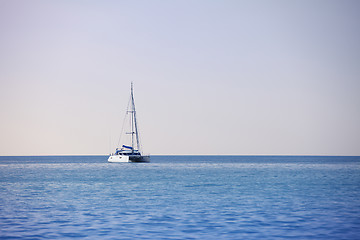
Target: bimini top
x: 126, y: 150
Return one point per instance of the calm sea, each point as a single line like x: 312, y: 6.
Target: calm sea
x: 180, y: 197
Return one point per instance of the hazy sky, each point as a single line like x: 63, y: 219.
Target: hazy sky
x: 210, y: 77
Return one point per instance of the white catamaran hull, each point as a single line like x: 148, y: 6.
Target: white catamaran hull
x: 118, y: 158
x: 122, y: 158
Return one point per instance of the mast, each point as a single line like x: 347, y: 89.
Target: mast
x: 134, y: 128
x: 132, y: 120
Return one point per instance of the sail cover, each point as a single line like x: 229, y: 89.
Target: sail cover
x: 124, y: 146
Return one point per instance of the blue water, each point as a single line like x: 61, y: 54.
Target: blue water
x: 180, y: 197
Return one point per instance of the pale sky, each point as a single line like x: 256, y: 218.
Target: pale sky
x: 210, y: 77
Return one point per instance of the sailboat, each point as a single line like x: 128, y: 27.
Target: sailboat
x: 130, y: 151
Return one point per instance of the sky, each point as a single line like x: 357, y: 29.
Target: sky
x: 210, y: 77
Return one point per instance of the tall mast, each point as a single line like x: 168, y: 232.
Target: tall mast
x: 134, y: 122
x: 132, y: 118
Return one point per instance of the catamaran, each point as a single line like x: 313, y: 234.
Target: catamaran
x: 130, y: 152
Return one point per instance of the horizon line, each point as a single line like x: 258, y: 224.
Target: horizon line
x: 69, y: 155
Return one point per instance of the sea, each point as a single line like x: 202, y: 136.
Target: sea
x: 180, y: 197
